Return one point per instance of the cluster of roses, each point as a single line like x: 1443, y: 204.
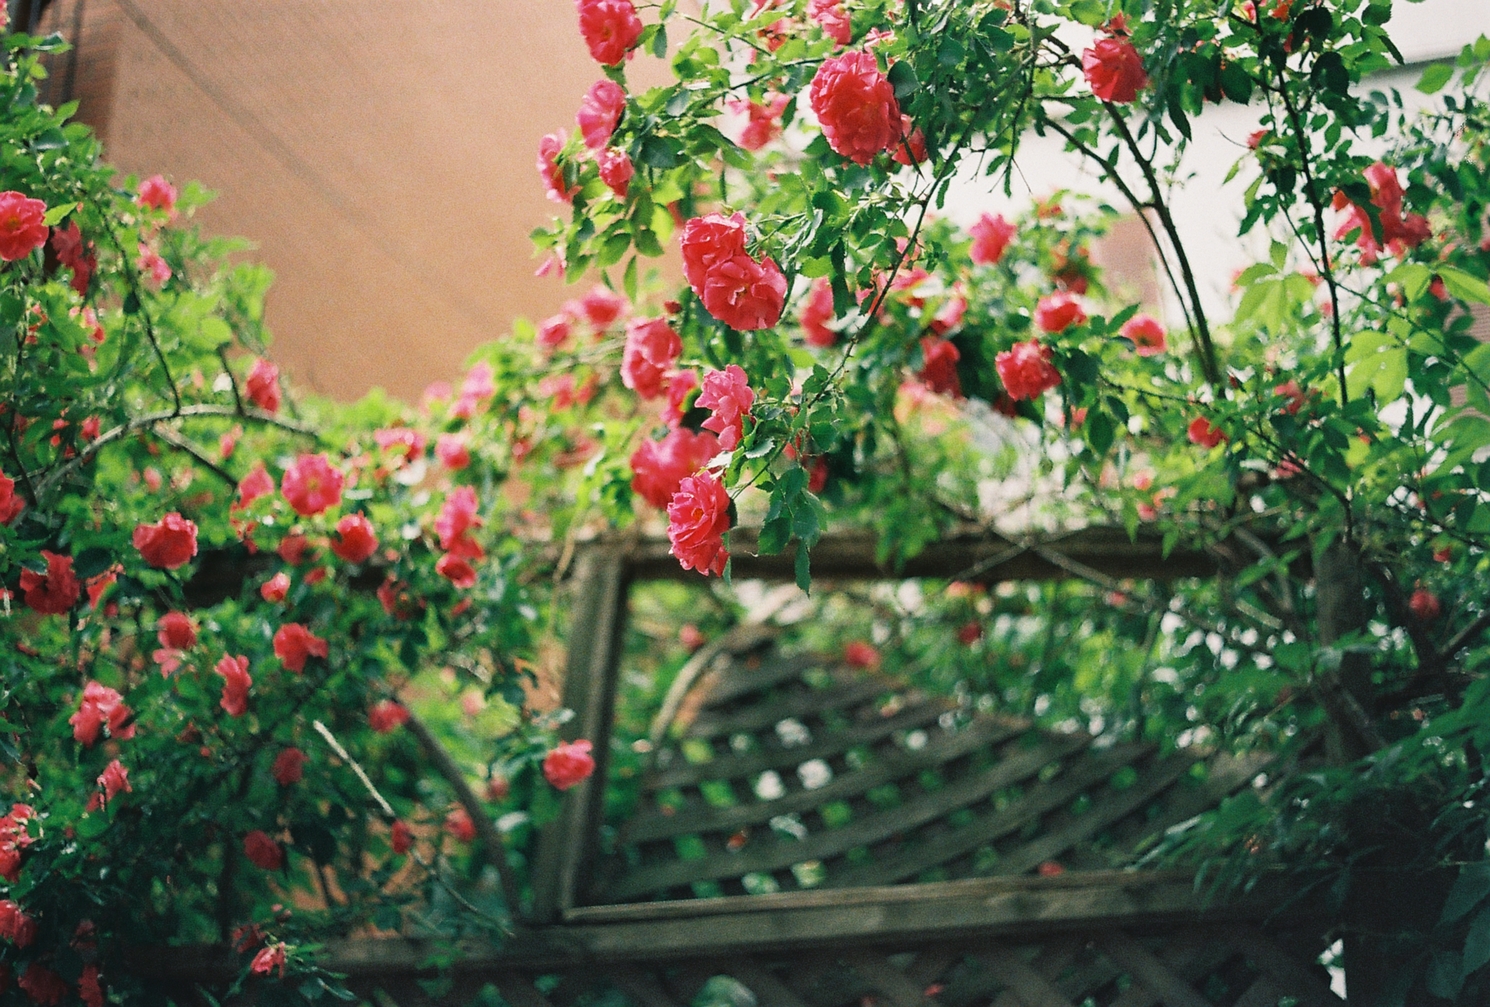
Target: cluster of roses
x: 856, y: 107
x: 1398, y: 233
x: 737, y: 289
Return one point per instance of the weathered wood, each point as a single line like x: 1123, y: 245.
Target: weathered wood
x: 568, y: 846
x: 769, y: 991
x: 887, y: 980
x: 518, y: 990
x: 854, y: 692
x: 1030, y: 986
x: 1299, y: 979
x: 1189, y: 960
x: 1263, y: 993
x: 640, y: 986
x: 773, y: 671
x: 1140, y: 963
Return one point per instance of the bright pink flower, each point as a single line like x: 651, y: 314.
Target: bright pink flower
x: 832, y: 18
x: 680, y: 386
x: 710, y: 240
x: 1146, y: 335
x: 459, y: 825
x: 615, y: 170
x: 235, y: 686
x: 1424, y: 604
x: 400, y: 838
x: 152, y: 265
x: 457, y: 570
x: 599, y: 112
x: 256, y: 484
x: 549, y: 169
x: 728, y: 395
x: 859, y: 654
x: 75, y: 254
x: 289, y: 766
x: 275, y: 588
x: 1114, y: 70
x: 1026, y: 370
x: 355, y: 540
x: 659, y: 466
x: 452, y: 452
x: 387, y: 716
x: 763, y: 122
x: 11, y: 502
x: 169, y: 543
x: 691, y: 637
x: 1202, y: 433
x: 567, y: 763
x: 697, y: 518
x: 939, y: 372
x: 312, y: 485
x: 479, y: 382
x: 817, y: 313
x: 745, y: 294
x: 271, y: 957
x: 22, y: 225
x: 458, y: 515
x: 294, y: 645
x: 404, y: 441
x: 157, y: 193
x: 176, y: 631
x: 949, y: 316
x: 991, y: 235
x: 1058, y: 311
x: 601, y: 307
x: 113, y: 779
x: 610, y: 28
x: 554, y: 332
x: 910, y: 145
x: 262, y: 385
x: 855, y: 104
x: 652, y: 347
x: 1397, y: 233
x: 53, y: 592
x: 100, y: 707
x: 262, y: 851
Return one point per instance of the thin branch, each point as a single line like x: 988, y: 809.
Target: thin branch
x: 133, y: 280
x: 1462, y: 638
x: 176, y: 440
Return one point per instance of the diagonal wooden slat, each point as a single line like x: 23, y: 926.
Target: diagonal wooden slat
x: 803, y: 704
x: 891, y: 983
x: 1139, y: 962
x: 640, y: 985
x: 769, y: 991
x: 518, y: 990
x: 1263, y: 993
x: 1226, y: 775
x: 1032, y: 989
x: 1295, y: 976
x: 930, y: 965
x: 1192, y: 961
x: 773, y: 671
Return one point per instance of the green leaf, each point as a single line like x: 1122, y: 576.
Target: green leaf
x: 1472, y: 886
x: 1464, y: 286
x: 1477, y: 944
x: 1435, y: 77
x: 903, y: 78
x: 659, y: 152
x: 56, y: 214
x: 803, y: 567
x: 659, y: 42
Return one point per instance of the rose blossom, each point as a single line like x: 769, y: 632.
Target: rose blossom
x: 294, y: 645
x: 1114, y: 70
x: 89, y: 990
x: 601, y: 306
x: 554, y: 332
x: 817, y: 313
x: 457, y: 517
x: 452, y: 452
x: 289, y: 766
x: 697, y: 518
x: 355, y: 540
x: 610, y: 28
x: 262, y: 385
x: 745, y: 294
x: 710, y: 240
x: 175, y: 630
x: 652, y: 347
x: 262, y: 851
x: 1425, y: 605
x: 599, y: 112
x: 275, y: 588
x: 939, y: 372
x: 400, y: 837
x: 1146, y: 335
x: 1026, y: 370
x: 1202, y: 433
x: 858, y: 654
x: 11, y: 502
x: 269, y: 958
x: 659, y: 466
x: 75, y: 254
x: 459, y: 825
x: 53, y: 592
x: 152, y: 265
x: 235, y: 686
x: 22, y: 225
x: 567, y: 763
x: 831, y: 17
x: 679, y: 387
x: 855, y: 104
x: 991, y: 235
x: 406, y: 443
x: 762, y: 120
x: 100, y: 707
x: 113, y: 779
x: 169, y: 543
x: 455, y: 569
x: 43, y: 986
x: 385, y: 716
x: 256, y: 484
x: 312, y: 485
x: 728, y: 395
x: 1398, y: 233
x: 910, y: 145
x: 158, y: 194
x: 615, y: 170
x: 1058, y: 312
x: 549, y: 149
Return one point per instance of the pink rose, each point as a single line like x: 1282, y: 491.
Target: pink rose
x: 832, y: 18
x: 679, y: 387
x: 599, y: 112
x: 1026, y: 370
x: 1202, y: 433
x: 158, y: 194
x: 175, y: 630
x: 54, y: 592
x: 1146, y: 335
x: 294, y: 645
x: 403, y: 441
x: 910, y: 145
x: 312, y: 485
x: 745, y: 294
x: 1114, y: 70
x: 554, y: 332
x: 22, y: 225
x: 458, y: 516
x: 262, y: 385
x: 567, y: 763
x: 652, y: 347
x: 855, y: 104
x: 659, y: 466
x: 275, y: 588
x: 601, y: 307
x: 763, y: 123
x: 610, y: 28
x: 456, y: 570
x: 113, y: 779
x: 991, y: 235
x: 75, y: 254
x: 817, y: 313
x: 710, y: 240
x: 101, y: 707
x: 1058, y: 312
x: 257, y: 483
x: 387, y: 716
x: 11, y: 502
x: 235, y: 686
x: 355, y: 540
x: 615, y: 170
x: 697, y: 518
x: 939, y: 372
x: 169, y: 543
x: 452, y: 452
x: 728, y: 395
x: 549, y: 149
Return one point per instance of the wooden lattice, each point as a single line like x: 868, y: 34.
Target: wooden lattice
x: 799, y: 772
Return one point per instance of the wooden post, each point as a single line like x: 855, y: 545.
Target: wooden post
x: 569, y: 845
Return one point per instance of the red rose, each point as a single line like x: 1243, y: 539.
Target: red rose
x: 1146, y: 335
x: 1026, y: 370
x: 697, y: 518
x: 679, y: 387
x: 355, y: 540
x: 939, y: 372
x: 152, y: 265
x: 89, y: 991
x: 404, y: 442
x: 275, y: 588
x: 991, y: 235
x: 100, y: 707
x: 910, y: 146
x: 727, y: 394
x: 312, y: 485
x: 615, y: 170
x: 554, y: 332
x: 610, y: 28
x: 762, y: 120
x: 856, y: 106
x: 452, y: 452
x: 1058, y: 312
x: 386, y: 716
x: 549, y: 169
x: 262, y: 385
x: 157, y: 193
x: 401, y: 838
x: 1114, y: 70
x: 113, y: 779
x: 55, y: 591
x: 599, y: 112
x: 1201, y: 432
x: 817, y: 313
x: 659, y: 466
x: 293, y: 547
x: 269, y: 958
x: 708, y: 241
x: 42, y: 985
x: 652, y: 347
x: 262, y: 851
x: 567, y: 763
x: 458, y: 823
x: 457, y: 517
x: 22, y: 225
x: 294, y: 645
x: 1049, y: 869
x: 176, y: 631
x: 497, y: 788
x: 11, y: 503
x: 1425, y: 605
x: 257, y: 483
x: 289, y: 767
x: 833, y: 19
x: 1397, y: 233
x: 601, y: 306
x: 456, y: 570
x: 970, y: 633
x: 859, y: 654
x: 745, y: 294
x: 75, y: 254
x: 169, y: 543
x: 15, y: 925
x: 235, y: 686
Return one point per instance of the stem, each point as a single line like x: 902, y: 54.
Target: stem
x: 132, y: 279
